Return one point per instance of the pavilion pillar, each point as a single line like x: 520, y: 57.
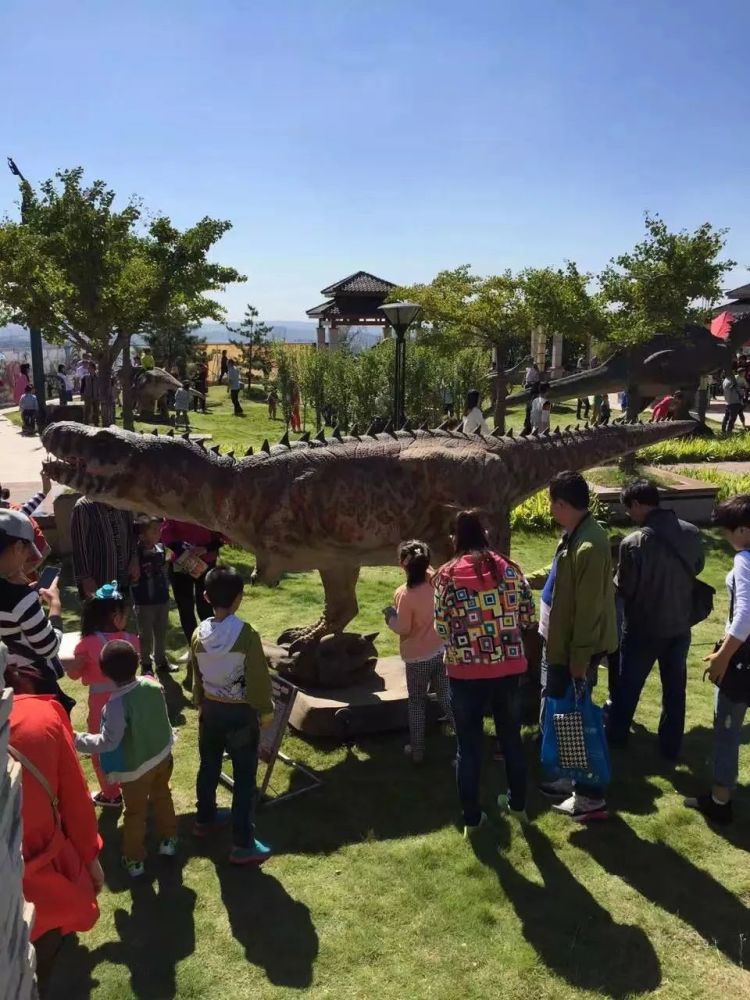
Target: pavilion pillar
x: 557, y: 350
x: 333, y: 336
x: 539, y: 347
x: 321, y: 334
x: 387, y: 331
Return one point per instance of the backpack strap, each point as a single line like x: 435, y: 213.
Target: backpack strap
x: 26, y: 764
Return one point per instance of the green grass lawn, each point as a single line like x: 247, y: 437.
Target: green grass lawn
x: 374, y: 894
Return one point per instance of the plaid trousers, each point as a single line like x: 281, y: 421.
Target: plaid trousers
x: 421, y: 676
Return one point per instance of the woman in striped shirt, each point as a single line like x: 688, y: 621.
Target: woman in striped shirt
x: 31, y: 636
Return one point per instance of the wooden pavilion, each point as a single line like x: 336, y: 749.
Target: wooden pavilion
x: 353, y: 301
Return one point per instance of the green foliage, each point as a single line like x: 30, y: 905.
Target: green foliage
x: 534, y: 515
x: 658, y: 286
x: 285, y: 379
x: 83, y: 272
x: 371, y: 373
x: 734, y: 448
x: 311, y: 375
x: 254, y: 337
x: 558, y: 301
x: 175, y: 346
x: 729, y: 483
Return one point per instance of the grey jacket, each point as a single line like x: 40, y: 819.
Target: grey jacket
x: 653, y: 581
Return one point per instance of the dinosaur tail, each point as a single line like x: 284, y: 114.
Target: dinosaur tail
x: 532, y: 461
x: 578, y: 386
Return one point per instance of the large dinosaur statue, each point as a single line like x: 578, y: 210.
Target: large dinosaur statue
x: 332, y: 504
x: 662, y: 364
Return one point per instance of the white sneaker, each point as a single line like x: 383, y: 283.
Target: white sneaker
x: 582, y: 808
x: 469, y: 831
x: 185, y: 657
x: 562, y: 788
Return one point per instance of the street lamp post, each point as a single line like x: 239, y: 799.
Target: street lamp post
x: 400, y: 315
x: 35, y: 336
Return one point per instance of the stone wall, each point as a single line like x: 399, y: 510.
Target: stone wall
x: 17, y: 959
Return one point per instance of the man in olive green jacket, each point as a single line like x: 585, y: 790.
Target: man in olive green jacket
x: 577, y: 618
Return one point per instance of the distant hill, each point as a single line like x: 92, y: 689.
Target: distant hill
x: 14, y: 336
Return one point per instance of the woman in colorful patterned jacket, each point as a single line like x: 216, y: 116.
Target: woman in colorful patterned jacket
x: 482, y: 603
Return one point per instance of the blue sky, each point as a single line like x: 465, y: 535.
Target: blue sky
x: 397, y: 137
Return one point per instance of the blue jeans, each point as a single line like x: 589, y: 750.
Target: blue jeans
x: 555, y: 683
x: 728, y: 719
x: 233, y: 728
x: 637, y: 656
x: 469, y: 698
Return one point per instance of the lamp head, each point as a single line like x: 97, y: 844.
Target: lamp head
x: 401, y: 315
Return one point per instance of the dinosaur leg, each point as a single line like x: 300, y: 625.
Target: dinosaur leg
x: 340, y: 590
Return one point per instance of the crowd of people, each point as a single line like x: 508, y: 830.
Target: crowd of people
x: 463, y: 631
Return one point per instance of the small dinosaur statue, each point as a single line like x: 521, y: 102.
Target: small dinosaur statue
x: 332, y: 504
x: 660, y: 365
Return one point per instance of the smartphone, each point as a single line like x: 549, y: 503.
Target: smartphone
x: 48, y: 576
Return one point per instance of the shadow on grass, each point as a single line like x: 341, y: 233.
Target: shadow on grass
x: 672, y: 882
x: 572, y: 933
x: 276, y: 931
x: 154, y: 937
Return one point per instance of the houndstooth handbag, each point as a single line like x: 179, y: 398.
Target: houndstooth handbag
x: 571, y: 741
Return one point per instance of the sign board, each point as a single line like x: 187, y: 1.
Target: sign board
x: 269, y: 749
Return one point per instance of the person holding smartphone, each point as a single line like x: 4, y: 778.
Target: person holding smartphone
x: 31, y: 635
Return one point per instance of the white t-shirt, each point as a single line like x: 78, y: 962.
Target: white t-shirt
x: 738, y: 580
x: 474, y: 421
x: 539, y: 416
x: 532, y: 375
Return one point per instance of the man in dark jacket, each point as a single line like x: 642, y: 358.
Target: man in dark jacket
x: 657, y: 566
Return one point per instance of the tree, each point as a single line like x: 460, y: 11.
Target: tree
x: 284, y: 379
x: 558, y: 300
x: 491, y: 312
x: 312, y: 366
x: 176, y: 346
x: 664, y: 282
x: 255, y: 338
x: 84, y: 273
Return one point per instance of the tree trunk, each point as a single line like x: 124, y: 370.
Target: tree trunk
x: 500, y: 391
x: 126, y: 383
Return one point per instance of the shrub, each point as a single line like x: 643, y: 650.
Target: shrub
x: 729, y: 483
x: 534, y: 513
x: 734, y: 448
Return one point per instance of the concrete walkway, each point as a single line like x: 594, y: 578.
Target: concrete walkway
x: 20, y: 461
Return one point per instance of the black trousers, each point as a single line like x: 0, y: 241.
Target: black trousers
x: 235, y: 396
x: 188, y: 596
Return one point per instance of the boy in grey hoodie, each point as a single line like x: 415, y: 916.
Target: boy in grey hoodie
x: 233, y: 692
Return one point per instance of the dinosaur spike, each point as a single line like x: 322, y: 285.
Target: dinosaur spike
x: 424, y: 427
x: 354, y: 432
x: 388, y: 429
x: 337, y: 433
x: 202, y: 445
x: 266, y: 447
x: 155, y: 432
x: 524, y: 433
x: 170, y: 433
x: 558, y: 432
x: 568, y: 428
x: 370, y: 432
x: 546, y: 432
x: 305, y: 437
x: 321, y: 436
x: 406, y: 426
x: 230, y: 454
x: 185, y: 436
x: 216, y: 450
x: 496, y: 433
x: 578, y: 427
x: 444, y: 425
x: 534, y: 432
x: 586, y: 425
x: 285, y: 439
x: 249, y: 452
x: 510, y: 432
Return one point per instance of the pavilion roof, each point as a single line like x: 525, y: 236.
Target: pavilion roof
x: 359, y: 283
x: 324, y: 309
x: 743, y: 292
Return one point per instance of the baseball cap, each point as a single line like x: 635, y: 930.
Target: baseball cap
x: 15, y: 526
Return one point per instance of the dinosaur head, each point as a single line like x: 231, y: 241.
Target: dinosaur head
x: 158, y: 475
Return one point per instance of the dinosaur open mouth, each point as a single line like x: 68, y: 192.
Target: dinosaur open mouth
x: 75, y: 464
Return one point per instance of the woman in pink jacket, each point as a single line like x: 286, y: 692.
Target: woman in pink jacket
x: 412, y: 618
x: 482, y: 603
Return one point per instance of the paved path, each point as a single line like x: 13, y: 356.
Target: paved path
x: 21, y: 457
